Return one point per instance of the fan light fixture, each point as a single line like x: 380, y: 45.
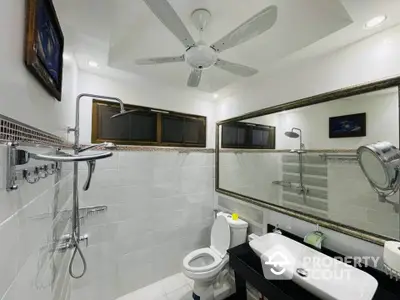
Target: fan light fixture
x: 200, y: 55
x: 375, y: 22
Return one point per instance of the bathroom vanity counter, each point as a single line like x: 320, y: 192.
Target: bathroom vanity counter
x: 248, y: 268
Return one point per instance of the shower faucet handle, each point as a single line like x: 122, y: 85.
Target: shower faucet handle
x: 85, y: 239
x: 91, y: 167
x: 71, y: 129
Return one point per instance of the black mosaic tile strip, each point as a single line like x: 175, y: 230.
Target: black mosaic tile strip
x: 13, y: 130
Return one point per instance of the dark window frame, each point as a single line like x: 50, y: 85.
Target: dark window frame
x: 248, y: 127
x: 159, y: 112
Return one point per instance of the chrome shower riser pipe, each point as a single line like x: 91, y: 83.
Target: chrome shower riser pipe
x: 75, y: 194
x: 76, y: 130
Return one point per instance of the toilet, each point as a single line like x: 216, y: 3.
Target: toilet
x: 208, y: 266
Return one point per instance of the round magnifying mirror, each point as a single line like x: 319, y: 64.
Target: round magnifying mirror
x: 380, y: 163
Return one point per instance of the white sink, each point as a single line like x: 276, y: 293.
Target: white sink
x: 321, y: 275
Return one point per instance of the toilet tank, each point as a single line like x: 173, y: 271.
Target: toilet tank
x: 238, y: 230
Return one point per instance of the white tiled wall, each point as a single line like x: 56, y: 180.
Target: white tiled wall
x: 29, y: 223
x: 251, y: 174
x: 160, y: 207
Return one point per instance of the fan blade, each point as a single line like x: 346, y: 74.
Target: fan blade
x: 159, y: 60
x: 194, y: 78
x: 168, y: 16
x: 253, y: 27
x: 236, y: 69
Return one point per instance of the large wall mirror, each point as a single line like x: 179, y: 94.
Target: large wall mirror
x: 300, y: 158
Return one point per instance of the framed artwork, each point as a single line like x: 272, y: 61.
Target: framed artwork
x: 44, y: 45
x: 348, y: 126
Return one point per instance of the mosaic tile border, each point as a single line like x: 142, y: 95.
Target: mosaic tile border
x: 161, y: 149
x: 13, y: 130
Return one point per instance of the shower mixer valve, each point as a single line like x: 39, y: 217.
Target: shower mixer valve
x: 66, y: 242
x: 302, y: 190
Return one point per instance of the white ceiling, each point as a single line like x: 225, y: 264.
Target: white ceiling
x: 116, y: 32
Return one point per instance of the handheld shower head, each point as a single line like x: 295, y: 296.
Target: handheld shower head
x: 123, y: 113
x: 106, y: 145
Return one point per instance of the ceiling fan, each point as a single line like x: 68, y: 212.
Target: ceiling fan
x: 200, y: 56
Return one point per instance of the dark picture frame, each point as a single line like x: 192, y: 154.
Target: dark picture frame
x: 347, y: 126
x: 44, y: 45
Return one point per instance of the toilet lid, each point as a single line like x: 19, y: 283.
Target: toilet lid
x: 220, y: 236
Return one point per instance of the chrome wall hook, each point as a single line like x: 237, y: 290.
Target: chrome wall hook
x: 42, y: 172
x: 31, y: 176
x: 50, y: 169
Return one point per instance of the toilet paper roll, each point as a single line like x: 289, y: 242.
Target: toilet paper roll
x: 391, y: 255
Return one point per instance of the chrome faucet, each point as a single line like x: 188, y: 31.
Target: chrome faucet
x: 277, y: 230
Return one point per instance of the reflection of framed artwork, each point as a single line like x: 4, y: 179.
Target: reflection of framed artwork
x: 348, y: 126
x: 44, y: 45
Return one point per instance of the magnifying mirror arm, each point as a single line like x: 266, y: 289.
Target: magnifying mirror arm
x: 383, y: 196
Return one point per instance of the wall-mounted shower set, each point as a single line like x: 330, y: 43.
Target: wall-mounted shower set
x: 17, y: 157
x: 301, y: 189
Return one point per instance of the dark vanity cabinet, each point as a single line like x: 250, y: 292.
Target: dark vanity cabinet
x: 247, y: 267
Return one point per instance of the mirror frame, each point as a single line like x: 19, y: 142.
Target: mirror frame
x: 321, y: 98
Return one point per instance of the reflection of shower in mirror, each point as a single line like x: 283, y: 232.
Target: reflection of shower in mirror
x: 293, y: 135
x: 380, y: 163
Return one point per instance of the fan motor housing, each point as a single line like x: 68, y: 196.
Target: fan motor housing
x: 201, y: 57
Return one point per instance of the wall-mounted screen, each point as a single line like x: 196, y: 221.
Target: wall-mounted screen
x: 354, y: 125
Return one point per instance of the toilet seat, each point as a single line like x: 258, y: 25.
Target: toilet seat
x: 205, y: 253
x: 211, y: 258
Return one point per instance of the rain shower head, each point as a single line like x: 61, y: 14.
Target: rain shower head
x: 292, y: 135
x: 123, y: 113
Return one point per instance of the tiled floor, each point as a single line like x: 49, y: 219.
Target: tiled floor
x: 176, y: 287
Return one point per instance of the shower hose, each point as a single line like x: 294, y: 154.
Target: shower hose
x: 78, y: 250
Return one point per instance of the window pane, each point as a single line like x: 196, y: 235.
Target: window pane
x: 172, y: 129
x: 241, y: 136
x: 139, y: 126
x: 259, y: 137
x: 263, y: 137
x: 229, y: 135
x: 193, y: 131
x: 112, y: 129
x: 143, y: 127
